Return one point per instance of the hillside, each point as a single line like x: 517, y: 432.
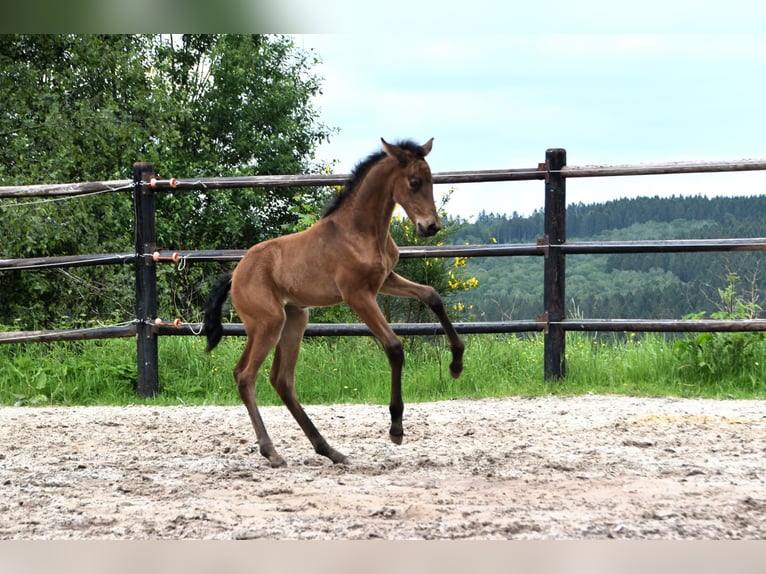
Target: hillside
x: 667, y: 285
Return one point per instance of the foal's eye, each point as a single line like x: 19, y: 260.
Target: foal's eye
x: 414, y: 183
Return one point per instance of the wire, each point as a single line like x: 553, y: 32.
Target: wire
x: 3, y: 205
x: 8, y: 337
x: 201, y: 328
x: 80, y: 263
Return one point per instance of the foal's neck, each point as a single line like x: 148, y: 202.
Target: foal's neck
x: 372, y: 205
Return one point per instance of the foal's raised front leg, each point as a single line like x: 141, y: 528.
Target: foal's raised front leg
x: 398, y: 286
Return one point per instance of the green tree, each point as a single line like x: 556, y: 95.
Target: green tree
x: 84, y: 108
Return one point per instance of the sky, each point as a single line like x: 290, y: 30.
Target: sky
x: 495, y: 100
x: 497, y: 82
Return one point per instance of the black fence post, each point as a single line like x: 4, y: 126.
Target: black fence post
x: 554, y: 301
x: 147, y: 382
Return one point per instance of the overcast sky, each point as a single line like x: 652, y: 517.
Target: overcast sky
x: 495, y: 101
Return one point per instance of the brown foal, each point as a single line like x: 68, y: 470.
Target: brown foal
x: 347, y: 256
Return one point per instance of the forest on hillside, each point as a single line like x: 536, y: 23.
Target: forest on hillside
x: 652, y: 285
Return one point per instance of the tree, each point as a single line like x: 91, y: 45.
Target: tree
x: 84, y: 108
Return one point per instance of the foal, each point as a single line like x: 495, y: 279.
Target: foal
x: 347, y: 256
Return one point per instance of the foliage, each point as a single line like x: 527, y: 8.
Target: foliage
x: 594, y: 220
x: 355, y: 370
x: 647, y: 285
x: 84, y: 108
x: 82, y: 373
x: 708, y: 358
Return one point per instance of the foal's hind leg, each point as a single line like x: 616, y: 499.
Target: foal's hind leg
x: 282, y: 378
x: 260, y: 341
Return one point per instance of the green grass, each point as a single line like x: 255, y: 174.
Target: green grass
x: 355, y: 370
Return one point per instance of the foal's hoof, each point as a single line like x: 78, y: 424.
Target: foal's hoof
x: 396, y: 437
x: 338, y: 458
x: 277, y: 461
x: 274, y: 459
x: 455, y: 369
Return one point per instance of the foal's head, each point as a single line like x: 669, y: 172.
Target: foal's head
x: 413, y: 185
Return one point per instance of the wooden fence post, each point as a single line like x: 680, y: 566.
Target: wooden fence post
x: 147, y: 383
x: 554, y: 301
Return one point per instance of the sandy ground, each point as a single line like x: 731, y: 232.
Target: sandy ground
x: 591, y: 467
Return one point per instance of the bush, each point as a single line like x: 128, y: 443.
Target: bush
x: 710, y: 357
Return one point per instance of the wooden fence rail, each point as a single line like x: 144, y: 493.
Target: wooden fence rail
x: 553, y: 247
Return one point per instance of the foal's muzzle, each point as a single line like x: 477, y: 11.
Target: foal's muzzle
x: 428, y: 230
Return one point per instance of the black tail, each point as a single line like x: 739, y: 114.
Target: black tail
x: 211, y: 326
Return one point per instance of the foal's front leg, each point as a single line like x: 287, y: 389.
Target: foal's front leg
x: 366, y: 307
x: 398, y: 286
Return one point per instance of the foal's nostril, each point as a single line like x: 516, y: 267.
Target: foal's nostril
x: 433, y: 229
x: 428, y: 231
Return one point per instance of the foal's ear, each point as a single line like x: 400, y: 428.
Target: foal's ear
x: 388, y: 148
x: 427, y: 147
x: 395, y: 151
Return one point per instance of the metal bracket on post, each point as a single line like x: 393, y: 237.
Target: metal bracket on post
x: 148, y: 251
x: 543, y: 244
x: 147, y: 379
x: 542, y: 319
x: 544, y: 168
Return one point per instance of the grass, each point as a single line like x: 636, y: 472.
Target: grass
x: 355, y: 370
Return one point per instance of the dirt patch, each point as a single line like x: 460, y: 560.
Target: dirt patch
x: 583, y: 468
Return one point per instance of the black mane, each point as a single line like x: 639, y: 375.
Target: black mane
x: 361, y: 169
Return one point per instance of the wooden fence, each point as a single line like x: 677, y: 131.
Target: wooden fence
x: 553, y: 247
